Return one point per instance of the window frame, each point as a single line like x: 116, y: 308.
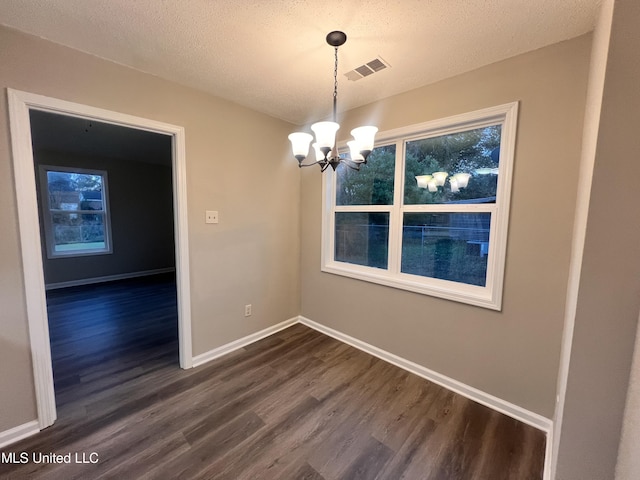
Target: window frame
x: 47, y: 219
x: 489, y: 296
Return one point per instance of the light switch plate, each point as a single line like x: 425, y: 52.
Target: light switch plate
x: 211, y: 216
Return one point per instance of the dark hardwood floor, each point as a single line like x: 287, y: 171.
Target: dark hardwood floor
x: 296, y: 405
x: 104, y: 334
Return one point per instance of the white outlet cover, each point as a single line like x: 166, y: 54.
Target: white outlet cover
x: 211, y: 216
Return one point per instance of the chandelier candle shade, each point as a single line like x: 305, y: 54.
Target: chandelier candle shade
x: 438, y: 179
x: 325, y: 132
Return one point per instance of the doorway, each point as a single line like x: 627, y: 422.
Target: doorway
x: 20, y: 106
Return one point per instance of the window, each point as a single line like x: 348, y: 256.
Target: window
x: 75, y: 211
x: 429, y: 211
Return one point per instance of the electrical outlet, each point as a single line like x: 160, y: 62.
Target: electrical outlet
x: 247, y: 310
x: 211, y: 216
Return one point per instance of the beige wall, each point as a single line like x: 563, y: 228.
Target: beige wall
x: 628, y: 464
x: 512, y: 354
x: 608, y: 300
x: 238, y: 162
x: 597, y: 70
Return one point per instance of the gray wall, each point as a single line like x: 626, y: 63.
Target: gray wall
x: 628, y: 464
x: 608, y: 299
x: 512, y: 354
x: 251, y: 256
x: 141, y: 211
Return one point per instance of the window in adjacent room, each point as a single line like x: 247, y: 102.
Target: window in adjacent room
x: 429, y: 211
x: 75, y: 211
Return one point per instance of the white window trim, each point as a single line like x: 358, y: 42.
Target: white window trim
x: 489, y: 296
x: 48, y: 220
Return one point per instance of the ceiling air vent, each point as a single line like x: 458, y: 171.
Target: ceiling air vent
x: 367, y: 69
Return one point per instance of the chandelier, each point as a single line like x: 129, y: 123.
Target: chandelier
x: 325, y: 145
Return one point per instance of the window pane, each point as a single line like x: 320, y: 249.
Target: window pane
x: 372, y: 184
x: 75, y: 232
x: 362, y: 238
x: 469, y: 159
x: 448, y: 246
x: 74, y: 191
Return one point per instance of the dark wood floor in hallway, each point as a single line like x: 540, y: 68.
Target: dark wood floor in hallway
x: 295, y: 405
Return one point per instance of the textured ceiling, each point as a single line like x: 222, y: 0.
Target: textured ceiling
x: 271, y: 55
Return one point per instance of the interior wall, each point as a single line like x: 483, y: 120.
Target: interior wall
x: 141, y: 211
x: 597, y: 74
x: 608, y: 299
x: 628, y: 464
x: 251, y: 256
x: 512, y: 354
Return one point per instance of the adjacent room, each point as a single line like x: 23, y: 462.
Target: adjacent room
x: 360, y: 240
x: 105, y: 206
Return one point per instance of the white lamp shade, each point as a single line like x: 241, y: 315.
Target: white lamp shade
x: 325, y: 134
x: 462, y: 179
x: 432, y: 186
x: 300, y: 143
x: 423, y: 180
x: 454, y: 185
x: 319, y: 154
x: 364, y: 137
x: 440, y: 178
x: 354, y: 151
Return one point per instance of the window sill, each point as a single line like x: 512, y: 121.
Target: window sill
x: 458, y: 292
x: 79, y: 253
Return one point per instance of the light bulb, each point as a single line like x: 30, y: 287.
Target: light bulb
x: 325, y: 134
x: 300, y: 144
x: 423, y: 180
x: 440, y: 178
x: 354, y: 151
x: 462, y: 179
x: 364, y: 138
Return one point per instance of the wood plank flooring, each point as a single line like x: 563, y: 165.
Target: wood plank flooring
x: 296, y: 405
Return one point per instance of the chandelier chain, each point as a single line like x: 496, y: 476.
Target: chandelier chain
x: 326, y: 149
x: 335, y: 84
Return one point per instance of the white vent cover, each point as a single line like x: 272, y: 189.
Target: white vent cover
x: 369, y: 68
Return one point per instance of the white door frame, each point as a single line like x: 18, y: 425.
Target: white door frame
x: 25, y: 184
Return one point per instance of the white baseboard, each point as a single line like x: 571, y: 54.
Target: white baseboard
x: 472, y: 393
x: 107, y: 278
x: 486, y: 399
x: 15, y: 434
x: 241, y: 342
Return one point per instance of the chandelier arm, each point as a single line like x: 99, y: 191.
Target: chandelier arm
x: 351, y: 164
x: 318, y: 162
